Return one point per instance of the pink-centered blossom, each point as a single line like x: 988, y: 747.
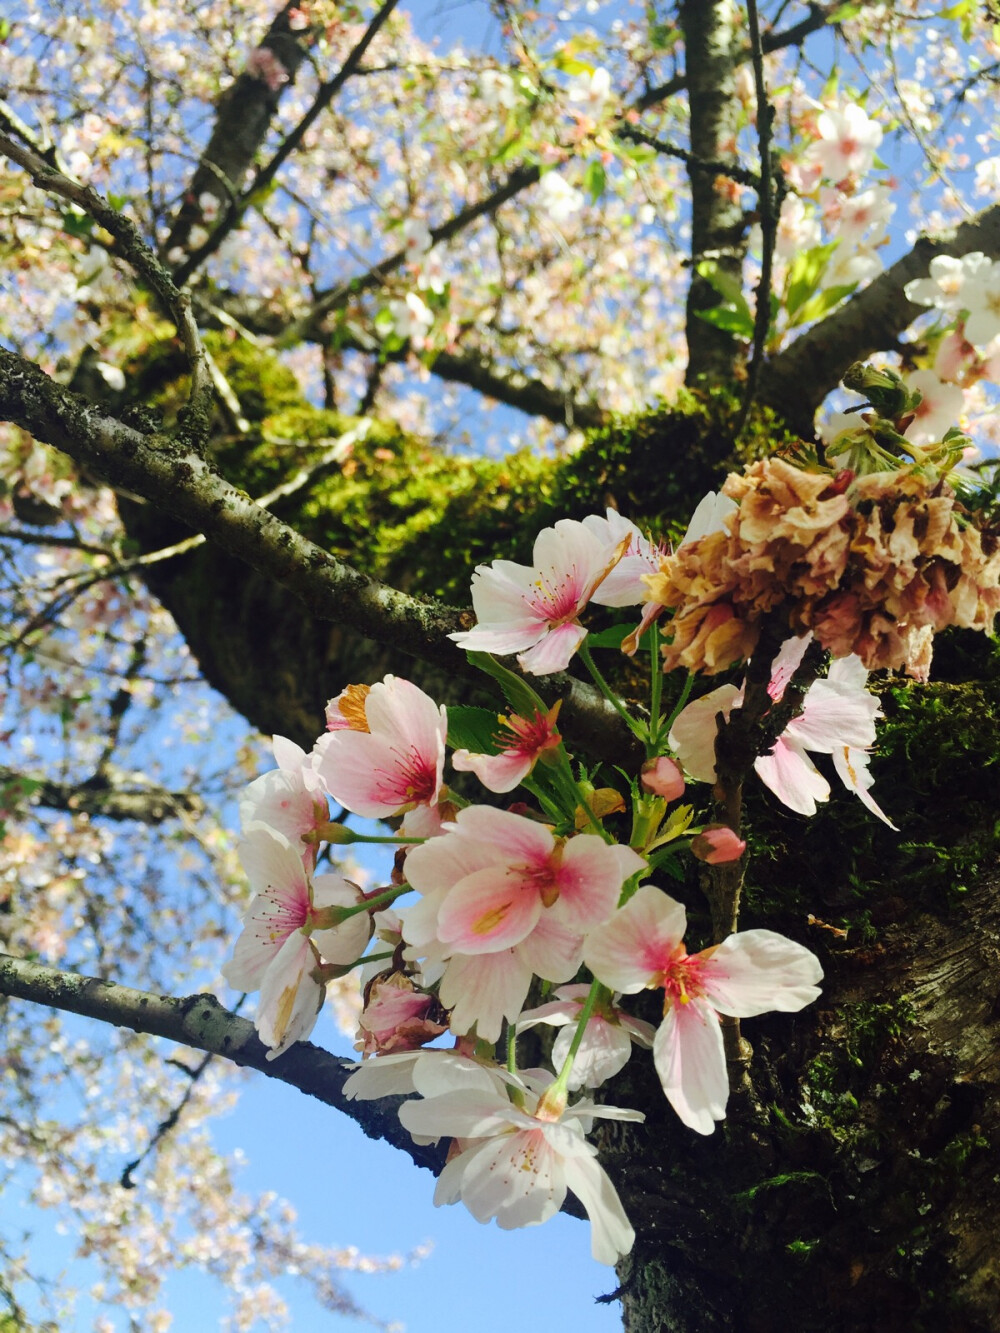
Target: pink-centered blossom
x: 515, y: 1165
x: 847, y: 141
x: 532, y: 610
x: 527, y: 740
x: 289, y: 798
x: 607, y: 1038
x: 749, y: 973
x: 838, y: 718
x: 389, y: 757
x: 492, y: 875
x: 280, y: 949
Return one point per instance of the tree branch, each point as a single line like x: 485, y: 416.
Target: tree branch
x: 180, y: 483
x: 107, y: 797
x: 131, y: 247
x: 797, y: 380
x: 327, y: 92
x: 201, y: 1022
x: 244, y: 117
x: 718, y: 227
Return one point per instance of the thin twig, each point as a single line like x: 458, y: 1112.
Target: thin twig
x: 769, y: 207
x: 132, y: 248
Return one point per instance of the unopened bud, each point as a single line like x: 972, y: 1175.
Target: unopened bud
x: 663, y: 777
x: 716, y: 844
x: 334, y: 832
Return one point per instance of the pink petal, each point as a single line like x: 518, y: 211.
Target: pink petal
x: 756, y: 971
x: 590, y: 878
x: 631, y: 950
x: 490, y: 910
x: 693, y: 735
x: 793, y: 777
x: 611, y: 1234
x: 290, y: 998
x: 786, y: 663
x: 551, y: 950
x: 498, y: 772
x: 852, y: 769
x: 691, y: 1063
x: 554, y: 651
x: 345, y: 943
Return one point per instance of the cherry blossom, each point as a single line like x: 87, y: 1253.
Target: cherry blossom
x: 558, y: 198
x: 749, y: 973
x: 838, y: 718
x: 939, y: 408
x: 533, y: 610
x: 390, y: 760
x: 530, y: 739
x: 290, y: 799
x: 516, y: 1166
x: 491, y: 875
x: 848, y: 138
x: 279, y: 951
x: 607, y: 1039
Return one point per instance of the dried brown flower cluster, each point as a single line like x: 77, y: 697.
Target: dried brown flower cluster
x: 873, y: 565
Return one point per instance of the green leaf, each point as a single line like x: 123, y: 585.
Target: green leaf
x: 518, y: 693
x: 823, y: 302
x: 805, y: 273
x: 733, y: 321
x: 734, y: 314
x: 473, y: 729
x: 79, y: 225
x: 609, y: 638
x: 726, y: 284
x: 594, y: 181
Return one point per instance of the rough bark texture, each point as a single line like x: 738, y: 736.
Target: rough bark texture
x: 713, y: 48
x: 864, y: 1198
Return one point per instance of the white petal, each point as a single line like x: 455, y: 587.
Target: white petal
x: 691, y: 1062
x: 611, y: 1234
x: 756, y: 971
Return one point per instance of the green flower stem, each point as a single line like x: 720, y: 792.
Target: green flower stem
x: 328, y: 918
x: 655, y: 688
x: 577, y: 798
x: 636, y: 727
x: 558, y: 1088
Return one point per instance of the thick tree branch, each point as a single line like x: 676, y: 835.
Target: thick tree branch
x: 244, y: 117
x: 717, y: 224
x: 797, y: 380
x: 132, y: 248
x: 181, y: 484
x: 263, y: 179
x: 201, y: 1022
x: 107, y: 797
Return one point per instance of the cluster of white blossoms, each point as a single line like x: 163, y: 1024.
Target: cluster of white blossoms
x: 555, y: 898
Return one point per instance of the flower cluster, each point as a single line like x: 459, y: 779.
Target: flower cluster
x: 488, y: 909
x: 872, y: 565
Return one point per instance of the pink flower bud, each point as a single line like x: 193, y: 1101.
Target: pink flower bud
x: 717, y: 843
x: 663, y: 777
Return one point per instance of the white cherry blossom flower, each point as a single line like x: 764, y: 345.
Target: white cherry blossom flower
x: 847, y: 143
x: 558, y: 198
x: 749, y: 973
x: 607, y: 1038
x: 280, y: 949
x: 516, y: 1165
x: 532, y: 610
